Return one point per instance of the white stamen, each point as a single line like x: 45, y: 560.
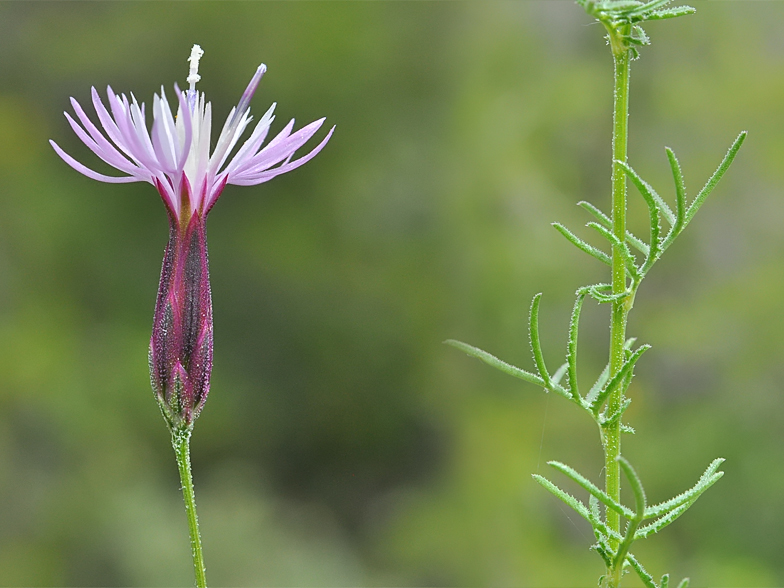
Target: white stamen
x: 193, y: 60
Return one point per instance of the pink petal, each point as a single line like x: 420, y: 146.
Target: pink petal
x: 251, y: 179
x: 90, y: 173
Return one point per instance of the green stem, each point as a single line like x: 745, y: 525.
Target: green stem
x: 620, y: 307
x: 181, y: 443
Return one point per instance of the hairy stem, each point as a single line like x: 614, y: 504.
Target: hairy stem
x: 620, y: 307
x: 181, y: 443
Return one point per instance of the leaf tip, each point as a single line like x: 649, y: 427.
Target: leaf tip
x: 457, y: 344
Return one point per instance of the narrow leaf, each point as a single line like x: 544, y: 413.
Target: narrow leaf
x: 603, y: 548
x: 605, y: 375
x: 608, y: 421
x: 592, y: 489
x: 559, y: 374
x: 597, y: 214
x: 684, y: 583
x: 636, y: 484
x: 646, y: 578
x: 582, y: 245
x: 571, y: 347
x: 707, y: 479
x: 495, y: 362
x: 578, y: 506
x: 654, y: 214
x: 665, y: 581
x: 628, y: 258
x: 593, y: 506
x: 634, y: 522
x: 647, y: 192
x: 649, y: 6
x: 714, y: 179
x: 671, y: 13
x: 639, y: 36
x: 597, y: 293
x: 602, y: 551
x: 619, y: 6
x: 680, y: 193
x: 597, y: 387
x: 635, y: 242
x: 536, y: 348
x: 613, y: 384
x: 659, y: 524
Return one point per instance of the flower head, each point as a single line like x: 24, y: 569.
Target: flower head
x: 175, y: 157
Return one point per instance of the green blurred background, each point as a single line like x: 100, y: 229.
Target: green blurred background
x: 343, y: 444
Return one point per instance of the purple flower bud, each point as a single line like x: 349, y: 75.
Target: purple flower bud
x: 181, y: 344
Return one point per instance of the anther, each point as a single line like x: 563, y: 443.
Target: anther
x: 193, y: 73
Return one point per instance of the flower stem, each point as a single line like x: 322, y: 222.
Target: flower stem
x: 181, y: 443
x: 620, y: 307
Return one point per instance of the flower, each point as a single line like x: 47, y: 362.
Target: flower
x: 175, y: 157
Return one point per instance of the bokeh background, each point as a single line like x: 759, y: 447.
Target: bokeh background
x: 343, y: 444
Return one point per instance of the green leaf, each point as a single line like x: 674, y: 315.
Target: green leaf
x: 646, y: 578
x: 665, y: 581
x: 672, y: 12
x: 559, y: 374
x: 659, y: 524
x: 571, y: 347
x: 638, y: 36
x: 684, y: 583
x: 597, y: 293
x: 608, y: 421
x: 582, y: 245
x: 634, y: 522
x: 714, y: 179
x: 536, y: 348
x: 655, y: 11
x: 597, y: 387
x: 593, y: 506
x: 648, y: 192
x: 592, y: 489
x: 680, y: 194
x: 628, y: 258
x: 656, y: 208
x: 637, y: 489
x: 578, y: 506
x: 613, y: 384
x: 707, y: 479
x: 603, y: 550
x: 635, y: 242
x: 647, y: 7
x: 621, y: 5
x: 495, y: 362
x: 681, y: 503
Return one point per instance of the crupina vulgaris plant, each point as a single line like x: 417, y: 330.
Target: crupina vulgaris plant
x: 630, y: 259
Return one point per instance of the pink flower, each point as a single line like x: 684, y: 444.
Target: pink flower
x: 175, y: 157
